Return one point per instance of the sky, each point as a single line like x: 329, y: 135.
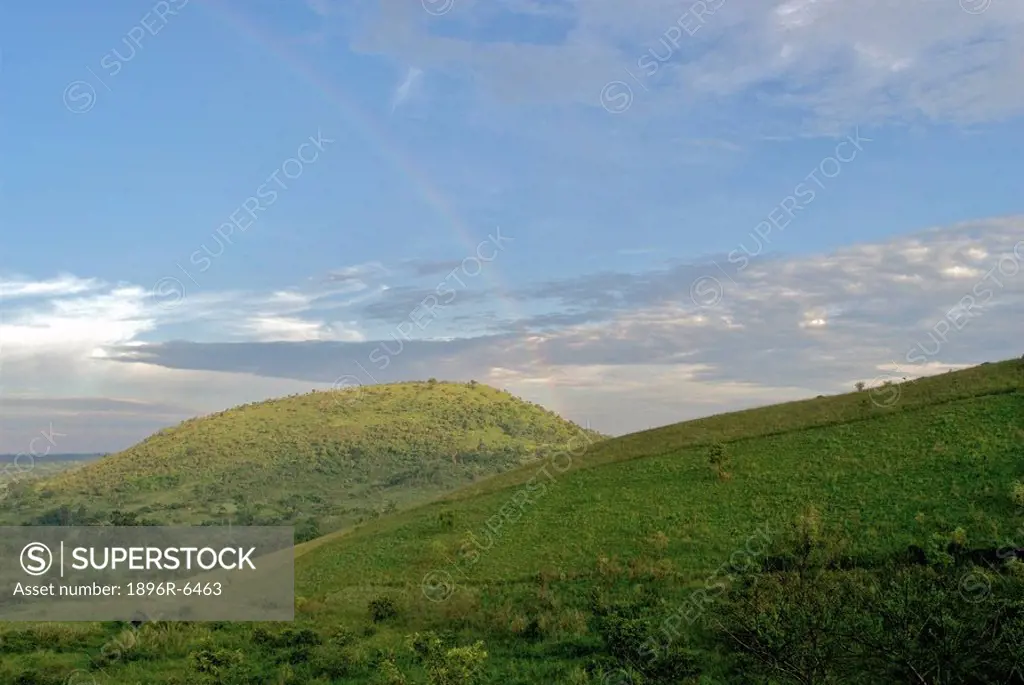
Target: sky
x: 631, y: 213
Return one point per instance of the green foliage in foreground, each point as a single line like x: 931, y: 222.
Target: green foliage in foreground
x: 318, y: 461
x: 858, y: 540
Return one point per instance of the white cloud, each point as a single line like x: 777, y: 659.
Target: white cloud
x: 404, y: 90
x: 790, y: 327
x: 81, y: 322
x: 61, y: 285
x: 357, y: 275
x: 831, y: 63
x: 281, y: 328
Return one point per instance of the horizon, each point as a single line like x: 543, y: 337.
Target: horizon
x: 585, y: 423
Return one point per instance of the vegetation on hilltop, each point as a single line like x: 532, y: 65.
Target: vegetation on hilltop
x: 319, y: 460
x: 857, y: 539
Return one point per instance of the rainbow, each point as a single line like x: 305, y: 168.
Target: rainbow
x: 365, y: 125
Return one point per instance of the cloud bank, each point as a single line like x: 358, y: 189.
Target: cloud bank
x: 624, y: 350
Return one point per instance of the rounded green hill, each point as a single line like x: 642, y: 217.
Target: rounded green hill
x: 337, y: 457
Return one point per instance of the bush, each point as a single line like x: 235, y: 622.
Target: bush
x: 458, y: 666
x: 290, y: 646
x: 426, y: 646
x: 331, y: 662
x: 949, y: 623
x: 388, y: 673
x: 943, y: 548
x: 383, y: 609
x: 1018, y: 494
x: 308, y: 530
x: 634, y: 638
x: 447, y: 665
x: 289, y: 637
x: 719, y: 460
x: 342, y: 636
x: 215, y: 664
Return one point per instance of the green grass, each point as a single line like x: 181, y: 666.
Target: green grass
x: 340, y: 457
x: 637, y: 516
x: 953, y: 463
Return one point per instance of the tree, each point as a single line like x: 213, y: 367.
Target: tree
x: 859, y: 385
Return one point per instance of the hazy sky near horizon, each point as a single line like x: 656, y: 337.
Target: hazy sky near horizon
x: 631, y: 213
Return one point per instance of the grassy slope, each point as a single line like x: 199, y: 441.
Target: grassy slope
x: 954, y: 463
x: 944, y: 454
x: 343, y: 454
x: 762, y: 422
x: 644, y: 511
x: 949, y: 445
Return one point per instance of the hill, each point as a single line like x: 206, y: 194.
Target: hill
x: 828, y: 540
x: 320, y: 460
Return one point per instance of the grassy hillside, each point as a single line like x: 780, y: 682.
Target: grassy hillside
x: 333, y: 458
x: 735, y: 542
x: 878, y: 481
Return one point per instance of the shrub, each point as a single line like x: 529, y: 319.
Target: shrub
x: 426, y: 646
x: 446, y: 519
x: 1018, y: 494
x: 382, y: 609
x: 718, y: 460
x: 308, y: 530
x: 216, y: 664
x: 292, y: 646
x: 331, y: 662
x: 807, y: 527
x: 342, y: 636
x: 447, y: 665
x: 943, y: 549
x: 388, y: 673
x: 807, y: 544
x: 289, y: 637
x: 458, y: 666
x: 633, y: 636
x: 888, y: 625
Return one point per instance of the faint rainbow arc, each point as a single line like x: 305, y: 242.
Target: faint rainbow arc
x: 365, y: 125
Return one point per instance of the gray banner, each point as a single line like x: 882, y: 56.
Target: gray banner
x: 147, y: 573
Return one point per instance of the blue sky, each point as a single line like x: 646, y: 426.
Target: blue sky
x: 623, y: 153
